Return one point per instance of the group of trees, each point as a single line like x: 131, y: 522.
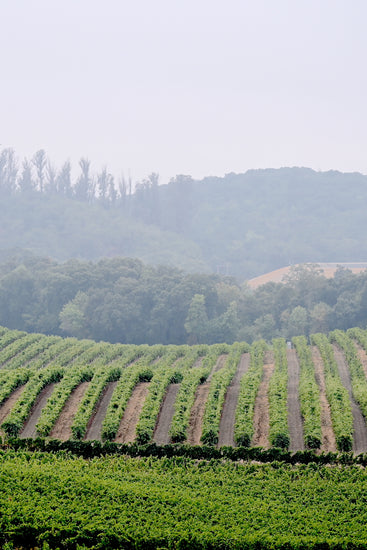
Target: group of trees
x: 123, y: 300
x: 40, y: 175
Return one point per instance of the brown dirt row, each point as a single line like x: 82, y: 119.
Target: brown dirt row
x: 127, y: 429
x: 261, y: 409
x: 94, y: 428
x: 8, y: 404
x: 359, y: 422
x: 198, y: 363
x: 164, y: 420
x: 29, y: 428
x: 328, y: 437
x: 295, y: 422
x: 227, y: 421
x: 62, y: 428
x: 197, y: 412
x: 362, y: 355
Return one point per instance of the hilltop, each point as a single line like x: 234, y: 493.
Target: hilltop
x: 240, y: 225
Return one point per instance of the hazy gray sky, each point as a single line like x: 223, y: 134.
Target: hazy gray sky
x: 199, y: 87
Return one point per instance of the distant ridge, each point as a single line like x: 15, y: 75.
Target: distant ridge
x: 328, y: 269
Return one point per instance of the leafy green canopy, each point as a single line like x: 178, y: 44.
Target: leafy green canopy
x: 178, y: 503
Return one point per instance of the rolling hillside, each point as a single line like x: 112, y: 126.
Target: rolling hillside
x: 240, y: 225
x: 326, y: 269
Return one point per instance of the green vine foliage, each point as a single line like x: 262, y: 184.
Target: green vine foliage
x: 357, y: 375
x: 163, y: 376
x: 309, y: 395
x: 249, y: 387
x: 278, y: 395
x: 217, y: 392
x: 337, y: 395
x: 14, y: 422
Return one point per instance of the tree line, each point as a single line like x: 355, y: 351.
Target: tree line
x: 39, y: 174
x: 124, y: 300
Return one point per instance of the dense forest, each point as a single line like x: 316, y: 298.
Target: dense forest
x: 240, y: 225
x: 124, y: 300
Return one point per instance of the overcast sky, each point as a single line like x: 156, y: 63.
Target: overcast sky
x: 199, y: 87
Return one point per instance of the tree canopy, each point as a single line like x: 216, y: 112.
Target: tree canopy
x: 124, y: 300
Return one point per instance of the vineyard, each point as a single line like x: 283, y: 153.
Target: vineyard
x: 311, y: 395
x: 204, y: 447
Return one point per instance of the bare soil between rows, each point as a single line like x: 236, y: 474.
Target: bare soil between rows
x: 194, y: 430
x: 362, y: 356
x: 328, y: 444
x: 8, y: 404
x: 62, y: 428
x: 359, y: 422
x: 295, y: 422
x: 227, y: 421
x: 29, y: 428
x: 163, y: 424
x: 94, y: 428
x: 261, y: 409
x: 127, y: 429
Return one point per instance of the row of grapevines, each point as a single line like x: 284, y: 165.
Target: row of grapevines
x: 73, y: 353
x: 102, y: 376
x: 91, y: 353
x: 249, y: 387
x: 309, y: 395
x: 278, y: 397
x: 217, y: 393
x: 360, y: 335
x: 114, y: 351
x: 11, y: 381
x: 137, y: 361
x: 129, y: 378
x: 3, y: 330
x: 162, y: 377
x: 32, y: 352
x: 186, y: 394
x: 14, y: 422
x: 10, y: 336
x: 19, y: 345
x: 81, y: 372
x: 337, y: 395
x: 49, y: 355
x: 55, y: 403
x: 358, y: 378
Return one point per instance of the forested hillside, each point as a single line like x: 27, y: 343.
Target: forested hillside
x: 241, y: 225
x: 123, y: 300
